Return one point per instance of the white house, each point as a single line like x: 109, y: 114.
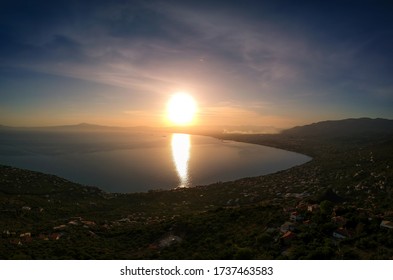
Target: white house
x: 313, y: 207
x: 341, y: 233
x: 386, y: 224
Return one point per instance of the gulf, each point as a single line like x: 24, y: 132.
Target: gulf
x: 129, y: 162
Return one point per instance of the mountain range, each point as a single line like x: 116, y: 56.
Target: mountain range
x: 329, y: 128
x: 340, y: 128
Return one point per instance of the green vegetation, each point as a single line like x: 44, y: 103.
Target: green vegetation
x: 328, y: 208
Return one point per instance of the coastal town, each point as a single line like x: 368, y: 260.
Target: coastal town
x: 337, y: 206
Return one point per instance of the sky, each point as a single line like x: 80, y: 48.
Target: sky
x: 246, y: 63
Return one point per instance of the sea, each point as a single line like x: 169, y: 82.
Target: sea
x: 138, y: 161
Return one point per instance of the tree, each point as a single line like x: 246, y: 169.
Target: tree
x: 326, y: 207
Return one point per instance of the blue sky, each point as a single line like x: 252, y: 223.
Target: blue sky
x: 279, y: 63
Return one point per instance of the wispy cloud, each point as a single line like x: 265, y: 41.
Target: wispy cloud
x: 226, y: 54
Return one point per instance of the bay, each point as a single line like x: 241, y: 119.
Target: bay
x: 140, y: 161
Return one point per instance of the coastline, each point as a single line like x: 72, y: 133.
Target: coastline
x: 218, y: 221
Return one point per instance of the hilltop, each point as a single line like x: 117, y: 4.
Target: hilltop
x: 317, y: 138
x: 329, y: 208
x: 342, y: 128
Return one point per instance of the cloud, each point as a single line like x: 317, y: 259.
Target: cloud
x: 225, y: 53
x: 151, y: 46
x: 162, y: 43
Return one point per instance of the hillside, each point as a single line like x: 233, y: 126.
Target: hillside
x: 294, y: 214
x: 343, y: 128
x: 320, y: 138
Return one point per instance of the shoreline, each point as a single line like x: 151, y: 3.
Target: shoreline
x: 347, y: 177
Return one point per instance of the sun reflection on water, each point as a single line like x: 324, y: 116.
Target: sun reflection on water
x: 181, y: 155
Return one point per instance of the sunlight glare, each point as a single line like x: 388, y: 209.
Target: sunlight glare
x: 181, y: 109
x: 181, y: 155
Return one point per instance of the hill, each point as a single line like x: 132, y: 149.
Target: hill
x: 319, y: 139
x: 343, y: 128
x: 346, y: 189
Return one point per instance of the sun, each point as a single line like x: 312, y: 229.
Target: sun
x: 181, y: 109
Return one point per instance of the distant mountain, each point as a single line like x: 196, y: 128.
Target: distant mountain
x: 5, y: 127
x: 73, y: 128
x: 82, y: 126
x: 342, y: 128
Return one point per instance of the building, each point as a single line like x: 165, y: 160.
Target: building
x: 295, y: 217
x: 341, y: 233
x: 386, y: 224
x: 339, y: 221
x: 313, y: 207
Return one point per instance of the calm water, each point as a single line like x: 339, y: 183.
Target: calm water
x: 134, y: 162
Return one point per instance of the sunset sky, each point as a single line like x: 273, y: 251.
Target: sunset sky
x: 267, y: 63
